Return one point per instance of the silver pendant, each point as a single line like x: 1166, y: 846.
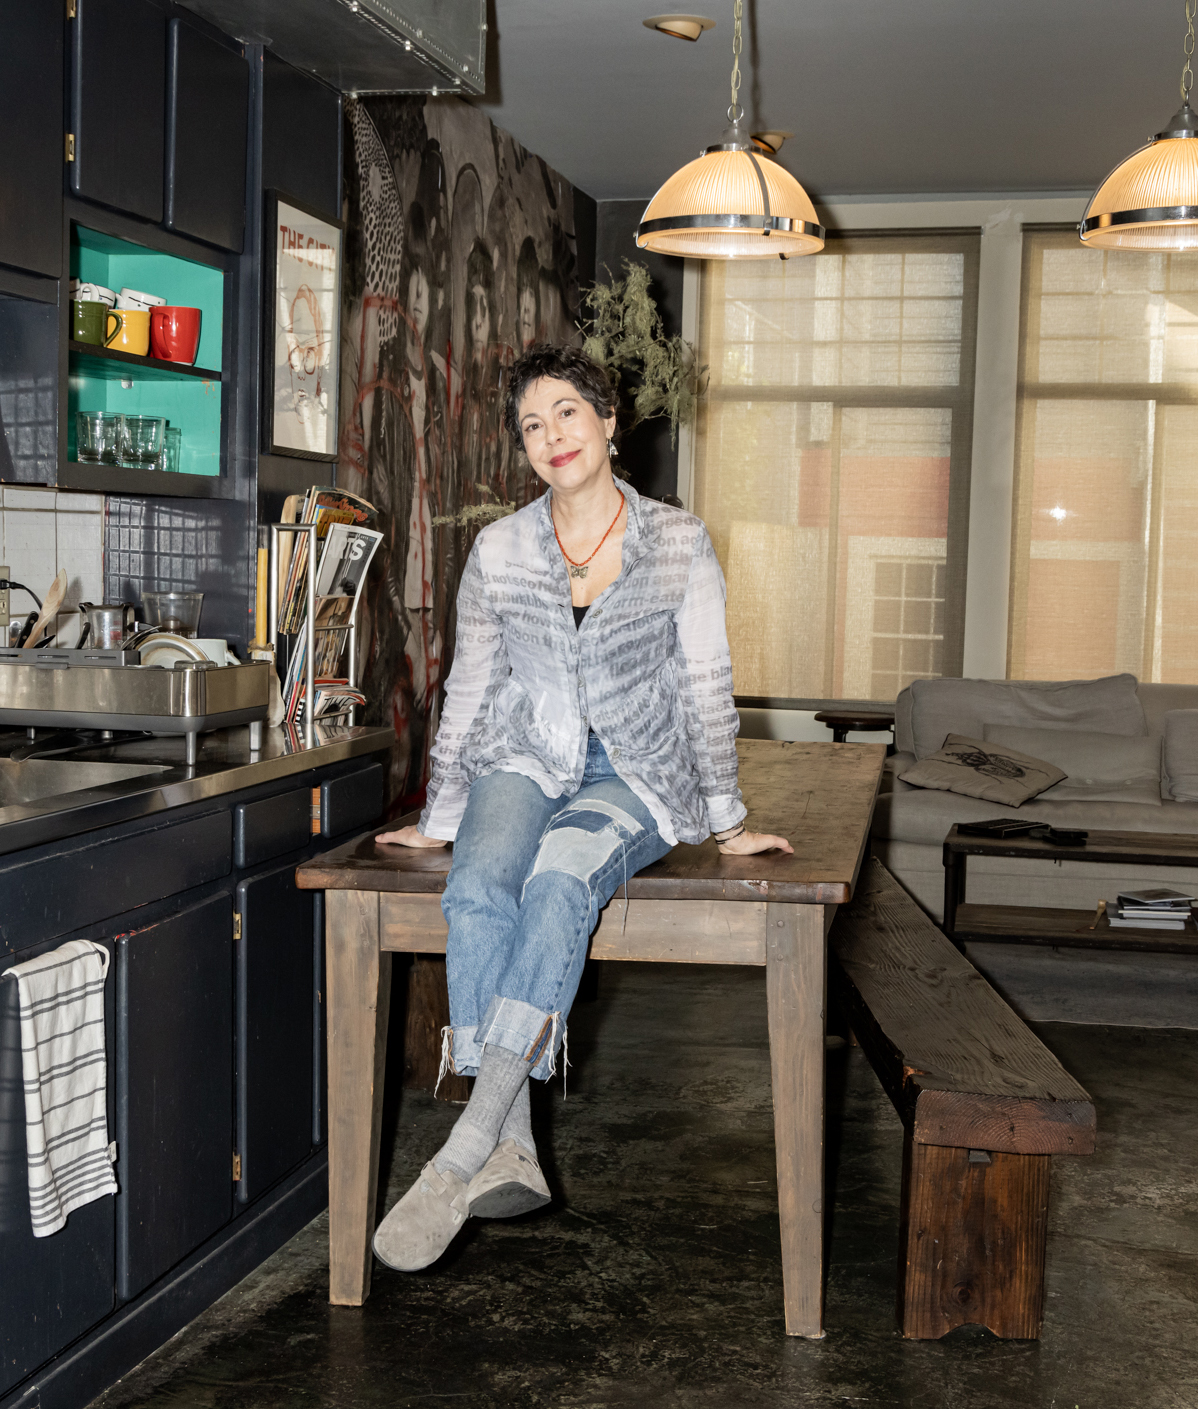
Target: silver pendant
x: 576, y: 571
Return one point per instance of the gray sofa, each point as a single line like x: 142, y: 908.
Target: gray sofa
x: 910, y: 825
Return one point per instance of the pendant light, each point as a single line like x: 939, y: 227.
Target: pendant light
x: 1150, y: 201
x: 731, y: 203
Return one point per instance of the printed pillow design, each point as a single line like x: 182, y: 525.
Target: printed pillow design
x: 991, y: 771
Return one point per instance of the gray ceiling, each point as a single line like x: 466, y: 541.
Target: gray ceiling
x: 884, y: 96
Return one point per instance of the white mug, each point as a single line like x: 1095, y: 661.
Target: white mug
x: 95, y: 293
x: 134, y: 298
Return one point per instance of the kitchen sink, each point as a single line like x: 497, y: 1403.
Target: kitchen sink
x: 40, y: 778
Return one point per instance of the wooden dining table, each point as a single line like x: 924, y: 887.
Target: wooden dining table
x: 695, y: 906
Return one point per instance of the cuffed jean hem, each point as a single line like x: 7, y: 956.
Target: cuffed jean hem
x: 518, y: 1027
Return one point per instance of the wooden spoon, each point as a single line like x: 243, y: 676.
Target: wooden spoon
x: 54, y: 600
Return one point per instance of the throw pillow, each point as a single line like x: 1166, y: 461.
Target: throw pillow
x: 974, y: 768
x: 1181, y: 754
x: 1099, y: 767
x: 948, y: 705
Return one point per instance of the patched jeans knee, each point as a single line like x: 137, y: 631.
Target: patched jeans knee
x: 515, y: 954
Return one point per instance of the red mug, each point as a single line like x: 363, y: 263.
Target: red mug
x: 174, y: 333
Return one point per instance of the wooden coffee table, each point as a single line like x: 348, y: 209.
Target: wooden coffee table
x: 694, y: 906
x: 1074, y: 929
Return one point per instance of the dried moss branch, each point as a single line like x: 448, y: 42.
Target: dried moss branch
x: 659, y: 376
x: 481, y: 514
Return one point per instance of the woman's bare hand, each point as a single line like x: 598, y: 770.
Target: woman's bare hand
x: 750, y: 843
x: 407, y: 836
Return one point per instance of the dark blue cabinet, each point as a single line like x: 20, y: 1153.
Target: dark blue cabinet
x: 275, y: 1066
x: 207, y: 120
x: 51, y: 1289
x: 33, y: 151
x: 215, y: 1029
x: 174, y: 1088
x: 118, y: 104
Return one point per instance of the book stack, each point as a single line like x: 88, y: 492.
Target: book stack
x: 1150, y: 910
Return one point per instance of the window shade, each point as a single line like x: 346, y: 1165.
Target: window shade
x: 832, y: 461
x: 1105, y: 550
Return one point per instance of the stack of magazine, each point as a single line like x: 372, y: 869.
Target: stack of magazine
x: 1150, y: 909
x: 348, y: 536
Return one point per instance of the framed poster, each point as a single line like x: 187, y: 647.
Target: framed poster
x: 303, y: 330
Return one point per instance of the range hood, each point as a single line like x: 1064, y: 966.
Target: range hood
x: 366, y: 46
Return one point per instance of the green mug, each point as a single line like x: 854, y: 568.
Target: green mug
x: 88, y: 321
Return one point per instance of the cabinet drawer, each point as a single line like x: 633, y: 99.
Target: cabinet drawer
x: 271, y: 826
x: 355, y: 800
x: 53, y: 895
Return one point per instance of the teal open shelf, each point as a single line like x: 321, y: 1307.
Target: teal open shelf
x: 103, y: 379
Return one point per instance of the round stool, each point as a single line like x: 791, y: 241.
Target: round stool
x: 842, y: 722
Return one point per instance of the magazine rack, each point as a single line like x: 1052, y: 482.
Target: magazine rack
x: 309, y: 629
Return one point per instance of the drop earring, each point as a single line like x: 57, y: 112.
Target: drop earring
x: 612, y: 452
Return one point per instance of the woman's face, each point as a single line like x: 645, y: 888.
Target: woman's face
x: 527, y: 314
x: 565, y: 439
x: 418, y: 302
x: 480, y: 319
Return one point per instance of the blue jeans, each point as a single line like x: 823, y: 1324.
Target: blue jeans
x: 530, y: 875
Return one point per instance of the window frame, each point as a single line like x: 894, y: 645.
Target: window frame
x: 958, y: 400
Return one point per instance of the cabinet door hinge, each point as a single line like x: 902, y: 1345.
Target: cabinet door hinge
x: 236, y: 1168
x: 70, y: 9
x: 236, y: 924
x: 70, y: 146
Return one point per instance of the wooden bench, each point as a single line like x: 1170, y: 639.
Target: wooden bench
x: 984, y: 1105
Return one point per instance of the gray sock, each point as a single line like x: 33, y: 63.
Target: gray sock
x: 501, y: 1074
x: 518, y: 1124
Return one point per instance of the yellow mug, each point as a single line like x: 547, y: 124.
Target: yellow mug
x: 128, y: 330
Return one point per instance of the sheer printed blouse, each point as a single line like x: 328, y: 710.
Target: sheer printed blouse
x: 646, y: 667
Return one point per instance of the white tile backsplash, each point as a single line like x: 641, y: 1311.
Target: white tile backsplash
x: 43, y: 531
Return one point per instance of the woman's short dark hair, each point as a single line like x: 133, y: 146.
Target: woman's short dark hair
x: 561, y: 364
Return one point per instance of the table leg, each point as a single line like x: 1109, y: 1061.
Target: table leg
x: 796, y: 986
x: 954, y: 890
x: 358, y: 988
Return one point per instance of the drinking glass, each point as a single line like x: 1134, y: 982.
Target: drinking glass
x: 98, y: 437
x: 174, y: 449
x: 143, y: 442
x: 173, y: 611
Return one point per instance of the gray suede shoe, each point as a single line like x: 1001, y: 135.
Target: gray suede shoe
x: 424, y: 1222
x: 510, y: 1183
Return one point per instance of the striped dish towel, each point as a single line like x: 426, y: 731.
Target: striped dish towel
x: 65, y: 1071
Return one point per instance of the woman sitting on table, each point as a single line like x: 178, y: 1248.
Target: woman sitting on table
x: 588, y: 728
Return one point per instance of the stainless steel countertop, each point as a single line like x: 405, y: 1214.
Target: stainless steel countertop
x: 225, y: 765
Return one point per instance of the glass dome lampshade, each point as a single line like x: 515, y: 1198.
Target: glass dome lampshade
x: 731, y: 204
x: 1150, y: 200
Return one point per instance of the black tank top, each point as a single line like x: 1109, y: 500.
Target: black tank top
x: 579, y: 613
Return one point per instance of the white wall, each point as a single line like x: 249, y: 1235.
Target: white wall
x: 44, y: 530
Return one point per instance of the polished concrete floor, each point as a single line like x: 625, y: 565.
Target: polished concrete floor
x: 654, y: 1279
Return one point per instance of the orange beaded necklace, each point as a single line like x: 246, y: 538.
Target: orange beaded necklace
x: 580, y: 569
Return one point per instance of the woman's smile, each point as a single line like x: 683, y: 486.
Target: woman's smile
x: 564, y: 458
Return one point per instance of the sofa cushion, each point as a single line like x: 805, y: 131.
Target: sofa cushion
x: 996, y: 773
x: 1180, y: 769
x: 1098, y: 767
x: 951, y: 706
x: 925, y: 817
x: 1158, y: 700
